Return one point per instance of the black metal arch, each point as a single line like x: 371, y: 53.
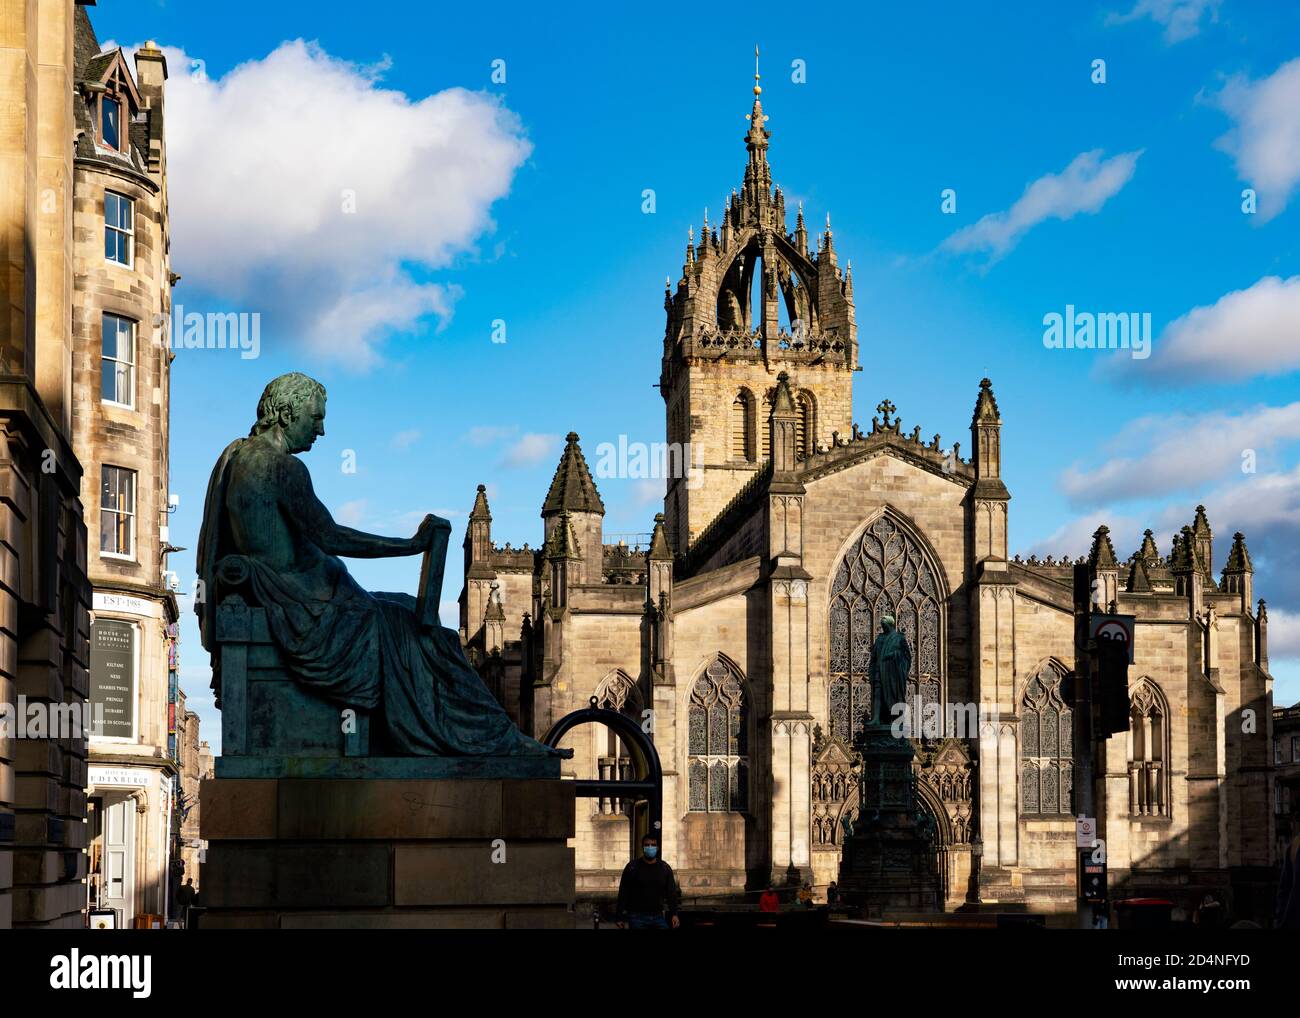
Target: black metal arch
x: 646, y: 790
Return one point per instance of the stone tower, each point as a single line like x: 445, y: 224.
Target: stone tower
x: 753, y: 301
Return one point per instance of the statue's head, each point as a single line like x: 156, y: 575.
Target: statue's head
x: 887, y: 623
x: 295, y: 404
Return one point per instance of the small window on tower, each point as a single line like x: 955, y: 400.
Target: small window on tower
x: 111, y: 122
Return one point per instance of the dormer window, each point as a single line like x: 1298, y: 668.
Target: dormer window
x: 111, y: 99
x: 111, y: 122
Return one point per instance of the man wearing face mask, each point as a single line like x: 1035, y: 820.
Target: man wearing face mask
x: 648, y: 891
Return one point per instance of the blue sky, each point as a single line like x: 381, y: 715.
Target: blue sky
x: 370, y: 190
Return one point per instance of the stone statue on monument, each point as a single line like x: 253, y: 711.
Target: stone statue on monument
x: 386, y: 654
x: 891, y: 663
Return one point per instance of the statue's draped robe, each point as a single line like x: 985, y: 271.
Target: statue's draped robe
x: 891, y: 663
x: 364, y: 650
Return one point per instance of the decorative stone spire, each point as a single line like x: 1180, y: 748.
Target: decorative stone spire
x: 1102, y: 553
x: 659, y: 549
x: 563, y: 542
x: 783, y: 423
x: 1238, y: 556
x: 1261, y: 635
x: 1149, y: 553
x: 1203, y: 546
x: 756, y: 139
x: 478, y: 538
x: 480, y: 510
x: 986, y: 441
x: 572, y: 488
x: 986, y: 405
x: 1103, y: 569
x: 1238, y: 572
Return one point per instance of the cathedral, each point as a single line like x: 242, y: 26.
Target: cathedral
x: 740, y: 632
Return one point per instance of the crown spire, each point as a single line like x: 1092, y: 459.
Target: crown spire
x: 756, y: 139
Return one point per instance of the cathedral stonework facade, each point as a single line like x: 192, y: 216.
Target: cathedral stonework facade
x: 743, y: 631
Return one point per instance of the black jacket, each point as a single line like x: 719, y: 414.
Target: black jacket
x: 648, y: 888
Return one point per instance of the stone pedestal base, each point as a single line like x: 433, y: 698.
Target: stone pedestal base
x: 888, y: 865
x: 360, y: 853
x: 889, y: 869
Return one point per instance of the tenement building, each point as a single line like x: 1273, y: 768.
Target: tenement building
x: 120, y: 400
x: 45, y: 596
x: 745, y: 626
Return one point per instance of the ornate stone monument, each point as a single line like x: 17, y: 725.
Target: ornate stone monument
x: 367, y: 777
x: 888, y: 863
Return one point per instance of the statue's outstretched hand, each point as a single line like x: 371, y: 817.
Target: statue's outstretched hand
x: 428, y: 526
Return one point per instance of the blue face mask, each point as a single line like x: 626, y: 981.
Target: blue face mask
x: 650, y: 851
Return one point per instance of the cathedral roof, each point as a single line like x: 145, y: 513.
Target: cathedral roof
x: 572, y: 488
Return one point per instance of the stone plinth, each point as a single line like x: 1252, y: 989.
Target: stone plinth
x: 388, y: 853
x: 888, y: 863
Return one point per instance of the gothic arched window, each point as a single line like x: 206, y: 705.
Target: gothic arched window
x: 1047, y: 745
x: 742, y: 429
x: 765, y: 427
x: 616, y: 692
x: 885, y: 573
x: 1148, y: 751
x: 718, y: 742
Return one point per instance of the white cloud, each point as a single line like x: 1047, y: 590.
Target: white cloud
x: 1083, y: 186
x: 649, y: 491
x: 1181, y: 19
x: 265, y: 164
x: 1074, y: 537
x: 530, y: 449
x: 405, y: 439
x: 1265, y: 139
x: 351, y: 514
x: 1171, y: 452
x: 1255, y: 331
x: 1283, y: 633
x: 485, y: 434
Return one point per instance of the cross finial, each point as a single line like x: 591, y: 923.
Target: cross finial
x: 885, y: 408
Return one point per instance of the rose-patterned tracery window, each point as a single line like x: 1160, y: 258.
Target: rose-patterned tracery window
x: 885, y: 573
x: 718, y: 742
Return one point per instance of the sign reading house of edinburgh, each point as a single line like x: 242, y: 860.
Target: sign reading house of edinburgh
x: 112, y: 677
x: 120, y: 777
